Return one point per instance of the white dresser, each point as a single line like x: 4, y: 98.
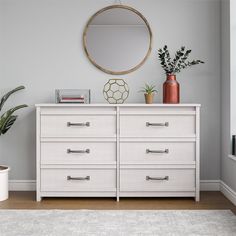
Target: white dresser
x: 128, y: 150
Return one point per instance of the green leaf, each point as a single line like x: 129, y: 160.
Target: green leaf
x: 8, y: 122
x: 7, y: 119
x: 7, y: 95
x: 148, y: 89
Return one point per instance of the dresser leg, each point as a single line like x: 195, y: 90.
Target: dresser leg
x: 117, y: 199
x: 197, y: 197
x: 38, y: 198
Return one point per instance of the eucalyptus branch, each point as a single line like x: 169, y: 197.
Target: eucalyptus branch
x: 179, y: 54
x: 162, y: 58
x: 179, y: 61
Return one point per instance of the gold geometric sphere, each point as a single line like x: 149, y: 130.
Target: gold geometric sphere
x: 116, y: 91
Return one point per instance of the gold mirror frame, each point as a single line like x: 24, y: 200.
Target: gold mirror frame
x: 85, y: 36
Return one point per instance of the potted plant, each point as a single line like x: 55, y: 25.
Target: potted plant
x: 7, y: 119
x: 149, y: 91
x: 171, y: 68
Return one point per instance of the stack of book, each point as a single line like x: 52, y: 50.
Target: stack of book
x: 72, y: 99
x: 73, y: 96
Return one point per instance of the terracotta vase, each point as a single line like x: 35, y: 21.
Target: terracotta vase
x: 171, y: 90
x: 149, y: 98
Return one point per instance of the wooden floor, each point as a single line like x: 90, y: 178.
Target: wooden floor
x: 26, y: 200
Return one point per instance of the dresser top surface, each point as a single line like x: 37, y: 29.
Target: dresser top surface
x: 117, y: 105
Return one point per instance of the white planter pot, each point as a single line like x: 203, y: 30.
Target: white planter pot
x: 4, y: 182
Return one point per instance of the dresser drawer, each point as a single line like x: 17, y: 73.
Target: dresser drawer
x: 78, y: 126
x: 157, y: 180
x: 78, y: 180
x: 157, y: 152
x: 78, y: 153
x: 157, y: 126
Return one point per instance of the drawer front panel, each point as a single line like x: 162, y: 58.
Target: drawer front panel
x: 78, y: 180
x: 78, y: 153
x: 78, y: 126
x: 151, y: 110
x: 82, y: 110
x: 157, y: 126
x: 157, y: 180
x: 157, y: 152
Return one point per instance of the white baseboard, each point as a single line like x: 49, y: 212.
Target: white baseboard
x: 210, y: 185
x: 205, y: 185
x: 22, y: 185
x: 228, y: 192
x: 30, y: 185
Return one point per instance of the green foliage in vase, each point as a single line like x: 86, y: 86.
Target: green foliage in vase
x: 148, y: 89
x: 8, y: 118
x: 178, y: 63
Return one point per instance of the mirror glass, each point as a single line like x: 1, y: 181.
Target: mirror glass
x: 117, y: 39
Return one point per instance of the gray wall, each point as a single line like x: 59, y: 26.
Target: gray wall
x: 42, y: 49
x: 228, y: 166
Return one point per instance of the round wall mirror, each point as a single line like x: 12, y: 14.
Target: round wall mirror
x: 117, y: 39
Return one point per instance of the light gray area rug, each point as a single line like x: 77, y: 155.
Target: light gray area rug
x: 117, y: 223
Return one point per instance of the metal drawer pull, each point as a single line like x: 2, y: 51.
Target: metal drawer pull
x: 166, y: 151
x: 78, y: 151
x: 78, y: 178
x: 157, y: 178
x: 166, y: 124
x: 87, y: 124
